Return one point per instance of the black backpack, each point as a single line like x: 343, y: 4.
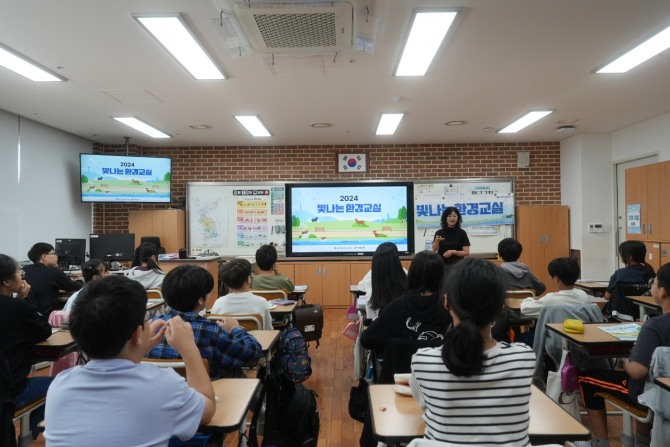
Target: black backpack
x: 291, y: 414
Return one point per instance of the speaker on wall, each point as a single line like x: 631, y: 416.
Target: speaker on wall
x: 523, y: 159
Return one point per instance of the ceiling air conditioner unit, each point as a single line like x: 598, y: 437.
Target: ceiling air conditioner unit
x: 306, y: 27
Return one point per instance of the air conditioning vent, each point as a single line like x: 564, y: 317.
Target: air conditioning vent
x: 302, y: 28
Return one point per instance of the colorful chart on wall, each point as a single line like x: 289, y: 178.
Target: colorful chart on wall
x: 234, y: 219
x: 486, y: 205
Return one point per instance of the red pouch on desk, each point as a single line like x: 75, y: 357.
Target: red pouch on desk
x: 569, y: 374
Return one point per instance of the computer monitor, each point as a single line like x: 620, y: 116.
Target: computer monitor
x: 70, y: 252
x: 112, y: 247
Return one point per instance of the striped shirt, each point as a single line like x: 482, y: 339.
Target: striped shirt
x: 482, y: 410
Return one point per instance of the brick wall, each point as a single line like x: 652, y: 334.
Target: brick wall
x: 537, y: 185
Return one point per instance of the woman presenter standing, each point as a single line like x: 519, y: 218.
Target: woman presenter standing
x: 451, y: 241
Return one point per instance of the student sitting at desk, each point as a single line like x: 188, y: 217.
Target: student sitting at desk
x: 148, y: 273
x: 114, y: 399
x: 21, y: 326
x: 236, y: 275
x: 268, y: 277
x: 636, y: 271
x: 628, y: 384
x: 564, y: 273
x: 386, y: 280
x: 90, y: 270
x: 416, y: 315
x: 474, y: 390
x: 225, y: 344
x: 517, y: 274
x: 45, y: 278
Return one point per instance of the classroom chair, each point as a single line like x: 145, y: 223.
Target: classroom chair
x: 272, y: 294
x: 23, y: 415
x: 250, y: 322
x: 517, y: 323
x: 628, y: 412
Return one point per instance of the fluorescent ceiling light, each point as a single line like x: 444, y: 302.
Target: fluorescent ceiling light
x: 25, y: 67
x: 171, y: 31
x: 425, y: 37
x: 142, y: 127
x: 525, y: 121
x: 253, y: 125
x: 388, y: 123
x: 644, y: 51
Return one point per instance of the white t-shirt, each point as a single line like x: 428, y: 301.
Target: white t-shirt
x: 244, y: 303
x: 122, y: 403
x: 70, y: 301
x: 531, y: 307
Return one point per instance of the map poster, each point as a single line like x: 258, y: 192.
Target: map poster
x: 235, y: 219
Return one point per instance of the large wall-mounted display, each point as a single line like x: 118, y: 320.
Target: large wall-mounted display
x: 129, y: 179
x: 348, y: 219
x: 343, y: 218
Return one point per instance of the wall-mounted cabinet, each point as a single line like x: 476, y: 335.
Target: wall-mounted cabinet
x: 543, y: 231
x: 647, y: 216
x: 169, y: 225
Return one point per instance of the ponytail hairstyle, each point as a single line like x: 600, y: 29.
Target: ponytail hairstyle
x: 475, y: 293
x: 92, y: 268
x: 149, y: 254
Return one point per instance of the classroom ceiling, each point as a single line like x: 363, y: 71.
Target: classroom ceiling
x: 501, y: 59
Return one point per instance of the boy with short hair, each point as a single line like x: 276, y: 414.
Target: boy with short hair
x: 564, y: 273
x: 225, y: 344
x: 517, y: 274
x: 45, y: 278
x: 268, y: 277
x: 236, y: 275
x: 114, y: 397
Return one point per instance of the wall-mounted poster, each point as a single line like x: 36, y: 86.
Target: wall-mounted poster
x: 633, y: 219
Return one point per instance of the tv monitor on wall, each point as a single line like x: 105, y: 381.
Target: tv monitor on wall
x: 125, y: 179
x: 70, y: 251
x: 348, y: 219
x: 112, y: 247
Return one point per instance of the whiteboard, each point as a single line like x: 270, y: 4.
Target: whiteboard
x: 486, y: 205
x: 234, y: 219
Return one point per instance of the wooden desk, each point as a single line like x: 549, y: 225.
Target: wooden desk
x: 593, y: 287
x: 284, y: 309
x: 594, y: 342
x: 663, y: 382
x: 646, y: 303
x: 60, y: 343
x: 211, y: 264
x: 402, y: 419
x: 267, y: 339
x: 233, y: 398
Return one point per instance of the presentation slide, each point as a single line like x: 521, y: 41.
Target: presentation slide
x: 113, y: 178
x: 351, y: 219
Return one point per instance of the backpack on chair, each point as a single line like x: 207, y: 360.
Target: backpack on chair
x: 292, y: 357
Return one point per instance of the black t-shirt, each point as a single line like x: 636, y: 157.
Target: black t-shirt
x: 654, y: 333
x: 454, y: 239
x: 45, y: 282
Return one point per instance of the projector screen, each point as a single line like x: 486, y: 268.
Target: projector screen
x: 118, y: 178
x: 352, y: 219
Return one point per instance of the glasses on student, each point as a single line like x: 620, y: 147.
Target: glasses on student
x: 653, y: 282
x: 22, y: 274
x: 147, y: 317
x: 52, y: 253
